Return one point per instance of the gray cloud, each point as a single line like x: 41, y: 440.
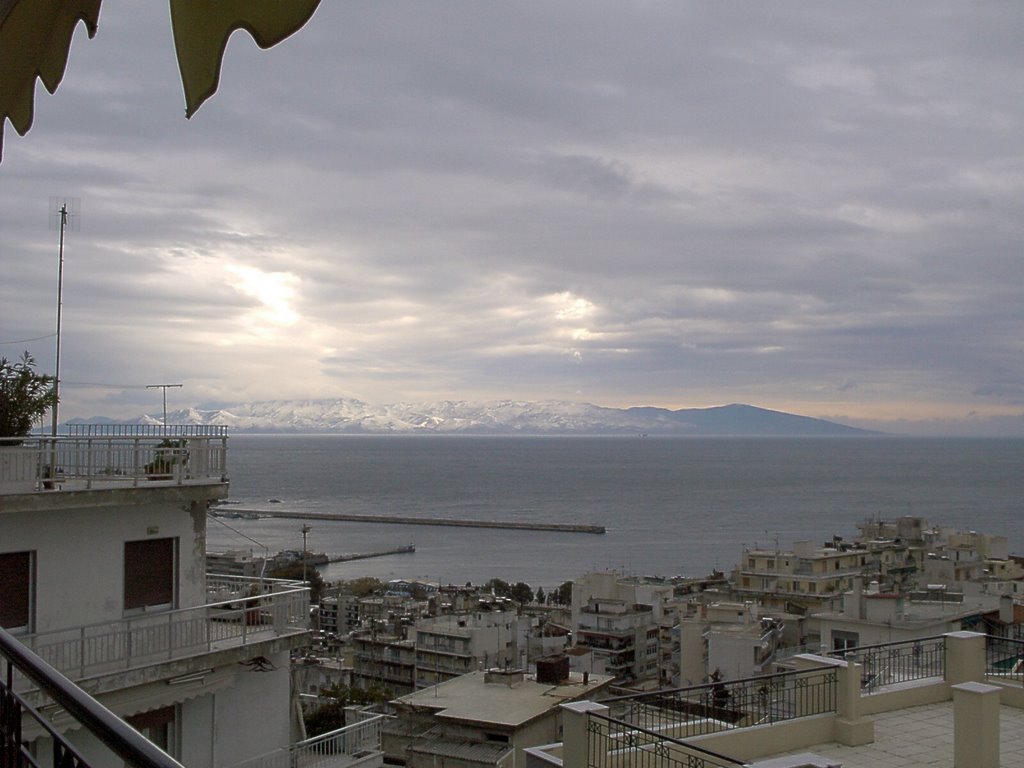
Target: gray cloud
x: 815, y: 208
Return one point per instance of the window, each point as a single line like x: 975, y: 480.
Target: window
x: 149, y: 574
x: 16, y: 595
x: 158, y: 725
x: 841, y: 641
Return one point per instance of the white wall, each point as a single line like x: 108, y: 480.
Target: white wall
x: 80, y: 555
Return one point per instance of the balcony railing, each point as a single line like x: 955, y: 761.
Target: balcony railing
x: 147, y: 430
x: 613, y: 744
x: 123, y: 740
x: 82, y: 462
x: 336, y: 748
x: 900, y: 662
x: 1004, y: 659
x: 245, y: 611
x: 687, y: 712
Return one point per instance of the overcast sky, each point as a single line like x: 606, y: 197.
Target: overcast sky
x: 812, y: 207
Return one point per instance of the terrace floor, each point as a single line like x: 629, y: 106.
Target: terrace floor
x: 920, y: 736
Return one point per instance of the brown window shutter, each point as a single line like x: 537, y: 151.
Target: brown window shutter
x: 148, y: 573
x: 15, y: 589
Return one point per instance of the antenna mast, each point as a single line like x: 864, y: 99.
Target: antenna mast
x: 63, y: 214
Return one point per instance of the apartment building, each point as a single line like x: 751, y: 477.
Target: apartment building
x: 453, y: 645
x: 621, y: 618
x: 871, y: 616
x: 729, y: 640
x: 809, y: 578
x: 384, y: 660
x: 102, y: 559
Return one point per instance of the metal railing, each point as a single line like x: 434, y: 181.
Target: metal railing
x: 111, y: 461
x: 245, y: 611
x: 900, y: 662
x: 1004, y: 658
x: 147, y: 430
x: 127, y: 743
x: 328, y: 749
x: 762, y: 700
x: 613, y: 744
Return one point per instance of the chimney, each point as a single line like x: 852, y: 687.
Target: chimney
x: 552, y: 670
x: 1006, y: 609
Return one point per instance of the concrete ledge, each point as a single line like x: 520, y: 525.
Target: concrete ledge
x: 909, y: 694
x: 803, y: 760
x: 760, y: 740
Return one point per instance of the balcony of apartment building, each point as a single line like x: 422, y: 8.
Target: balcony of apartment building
x: 243, y: 618
x: 955, y: 700
x: 605, y: 640
x: 114, y: 457
x: 356, y: 745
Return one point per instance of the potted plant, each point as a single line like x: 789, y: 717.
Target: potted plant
x: 168, y: 453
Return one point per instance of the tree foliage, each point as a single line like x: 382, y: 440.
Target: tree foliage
x: 498, y: 587
x: 293, y: 571
x: 363, y: 586
x: 24, y: 395
x: 330, y: 715
x: 563, y: 595
x: 521, y: 592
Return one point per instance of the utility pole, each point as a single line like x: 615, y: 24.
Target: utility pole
x: 305, y: 530
x: 164, y: 388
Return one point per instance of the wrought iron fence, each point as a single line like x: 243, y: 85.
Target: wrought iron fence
x: 890, y: 663
x: 1004, y: 658
x: 686, y: 712
x: 612, y: 744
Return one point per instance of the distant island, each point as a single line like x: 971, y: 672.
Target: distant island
x: 500, y: 417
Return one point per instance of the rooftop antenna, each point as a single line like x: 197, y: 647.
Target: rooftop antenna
x: 64, y: 215
x: 164, y: 388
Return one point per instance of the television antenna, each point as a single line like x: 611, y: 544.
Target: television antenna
x: 64, y: 215
x: 164, y: 388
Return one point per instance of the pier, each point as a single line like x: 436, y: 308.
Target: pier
x: 447, y: 521
x: 367, y: 555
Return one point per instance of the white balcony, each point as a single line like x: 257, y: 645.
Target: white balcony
x: 242, y: 613
x: 355, y: 745
x: 114, y: 456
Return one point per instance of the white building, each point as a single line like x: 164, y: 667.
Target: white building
x: 103, y: 570
x: 736, y: 640
x: 872, y: 617
x: 620, y: 619
x: 453, y: 645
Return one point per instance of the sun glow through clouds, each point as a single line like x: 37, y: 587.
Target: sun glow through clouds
x: 276, y: 292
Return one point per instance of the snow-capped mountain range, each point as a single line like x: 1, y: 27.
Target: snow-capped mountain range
x: 501, y: 417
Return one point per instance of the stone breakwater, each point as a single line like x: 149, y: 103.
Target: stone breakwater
x: 406, y: 520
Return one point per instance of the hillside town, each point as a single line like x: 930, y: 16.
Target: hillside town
x: 107, y: 582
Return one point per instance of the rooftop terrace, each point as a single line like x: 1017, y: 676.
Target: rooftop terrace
x: 956, y: 701
x: 111, y: 456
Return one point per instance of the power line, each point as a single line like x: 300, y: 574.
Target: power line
x: 35, y: 338
x: 103, y: 386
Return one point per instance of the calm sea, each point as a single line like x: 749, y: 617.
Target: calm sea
x: 671, y: 505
